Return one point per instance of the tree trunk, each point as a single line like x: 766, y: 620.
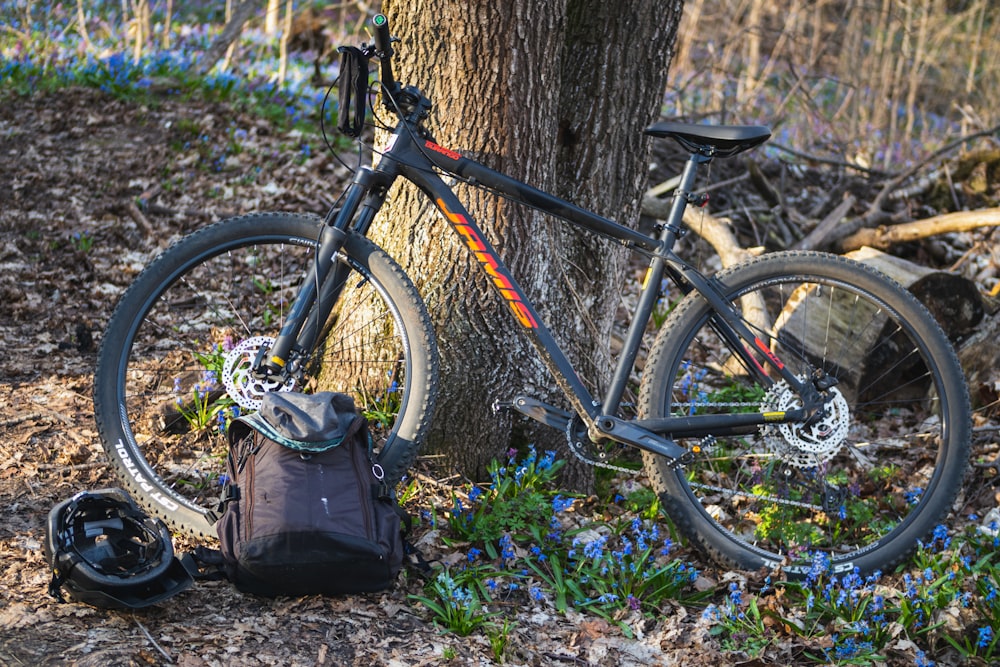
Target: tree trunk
x: 556, y: 95
x: 241, y: 14
x: 271, y: 16
x: 607, y: 96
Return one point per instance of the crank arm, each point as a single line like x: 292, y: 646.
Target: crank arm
x: 628, y: 433
x: 613, y: 428
x: 540, y: 412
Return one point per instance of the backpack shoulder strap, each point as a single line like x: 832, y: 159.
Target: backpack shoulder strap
x: 204, y: 564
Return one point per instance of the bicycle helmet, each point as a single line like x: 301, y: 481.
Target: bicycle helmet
x: 108, y: 553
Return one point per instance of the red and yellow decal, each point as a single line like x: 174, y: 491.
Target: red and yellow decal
x: 492, y: 266
x: 762, y: 346
x: 447, y: 152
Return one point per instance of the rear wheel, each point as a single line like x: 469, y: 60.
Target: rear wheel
x: 876, y: 474
x: 173, y: 364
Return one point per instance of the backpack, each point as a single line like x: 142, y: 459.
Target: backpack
x: 305, y: 509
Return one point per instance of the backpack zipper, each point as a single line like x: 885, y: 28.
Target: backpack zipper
x: 249, y: 502
x: 364, y: 487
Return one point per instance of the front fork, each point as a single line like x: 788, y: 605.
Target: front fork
x: 320, y: 289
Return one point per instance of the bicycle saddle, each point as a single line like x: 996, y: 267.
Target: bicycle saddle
x: 711, y: 140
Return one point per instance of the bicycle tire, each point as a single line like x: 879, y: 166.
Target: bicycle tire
x: 208, y: 294
x: 863, y: 486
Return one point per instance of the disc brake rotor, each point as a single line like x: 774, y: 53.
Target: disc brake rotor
x: 805, y: 445
x: 239, y: 380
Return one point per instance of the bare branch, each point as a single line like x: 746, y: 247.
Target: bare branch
x: 883, y: 237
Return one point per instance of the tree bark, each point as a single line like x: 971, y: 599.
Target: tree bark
x: 555, y: 94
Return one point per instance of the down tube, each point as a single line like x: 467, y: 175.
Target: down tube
x: 512, y: 294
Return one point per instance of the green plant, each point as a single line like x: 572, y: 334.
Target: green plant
x: 737, y: 391
x: 499, y: 636
x: 515, y: 500
x: 458, y: 608
x: 739, y: 624
x: 863, y: 616
x: 381, y: 408
x: 644, y: 502
x: 198, y: 409
x: 82, y: 241
x: 206, y: 403
x: 626, y: 566
x: 522, y: 549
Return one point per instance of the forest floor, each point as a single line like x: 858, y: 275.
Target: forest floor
x: 72, y: 166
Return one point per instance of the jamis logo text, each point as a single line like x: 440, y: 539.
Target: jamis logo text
x: 492, y: 266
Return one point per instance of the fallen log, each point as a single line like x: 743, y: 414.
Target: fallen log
x: 884, y: 236
x: 954, y: 302
x: 980, y: 357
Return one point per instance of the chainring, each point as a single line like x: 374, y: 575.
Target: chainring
x: 586, y: 450
x: 805, y: 445
x: 238, y: 377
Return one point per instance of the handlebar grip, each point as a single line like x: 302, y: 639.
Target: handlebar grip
x: 383, y: 41
x: 383, y: 49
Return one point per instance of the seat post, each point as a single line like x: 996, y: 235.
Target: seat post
x: 673, y: 227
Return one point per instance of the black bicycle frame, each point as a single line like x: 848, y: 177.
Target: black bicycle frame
x: 417, y: 159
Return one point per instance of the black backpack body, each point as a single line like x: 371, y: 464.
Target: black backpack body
x: 305, y: 509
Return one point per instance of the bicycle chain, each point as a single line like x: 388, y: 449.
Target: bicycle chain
x: 734, y: 492
x: 753, y: 496
x: 577, y: 451
x: 715, y: 404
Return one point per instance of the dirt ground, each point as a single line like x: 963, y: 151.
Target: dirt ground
x: 73, y: 164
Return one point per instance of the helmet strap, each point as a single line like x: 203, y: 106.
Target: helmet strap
x: 56, y: 584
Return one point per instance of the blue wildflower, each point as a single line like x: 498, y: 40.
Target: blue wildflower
x: 548, y: 460
x: 595, y: 548
x: 506, y: 547
x: 735, y: 595
x: 560, y: 504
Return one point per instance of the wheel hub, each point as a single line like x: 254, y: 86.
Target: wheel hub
x: 805, y: 445
x: 243, y: 385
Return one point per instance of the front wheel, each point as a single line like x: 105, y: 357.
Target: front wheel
x: 860, y: 486
x: 180, y: 342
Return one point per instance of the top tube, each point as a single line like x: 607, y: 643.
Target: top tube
x: 410, y: 151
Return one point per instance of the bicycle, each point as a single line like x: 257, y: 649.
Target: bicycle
x: 796, y: 402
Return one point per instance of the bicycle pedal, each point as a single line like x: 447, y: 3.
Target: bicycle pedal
x: 504, y: 406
